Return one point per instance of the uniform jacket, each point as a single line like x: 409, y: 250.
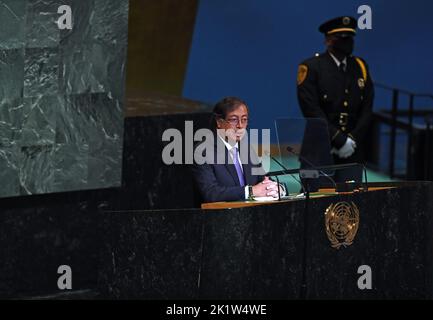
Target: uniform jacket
x: 343, y: 99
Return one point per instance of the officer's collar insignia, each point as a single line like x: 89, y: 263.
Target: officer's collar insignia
x: 341, y: 223
x: 361, y: 83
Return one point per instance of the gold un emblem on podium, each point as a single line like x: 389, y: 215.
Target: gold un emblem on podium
x: 341, y: 223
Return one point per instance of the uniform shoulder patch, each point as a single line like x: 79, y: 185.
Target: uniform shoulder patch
x: 302, y: 73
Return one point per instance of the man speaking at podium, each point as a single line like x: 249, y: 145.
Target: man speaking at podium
x: 233, y: 178
x: 337, y: 87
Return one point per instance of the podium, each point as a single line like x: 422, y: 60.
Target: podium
x: 254, y: 251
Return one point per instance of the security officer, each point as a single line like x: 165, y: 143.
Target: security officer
x: 337, y: 87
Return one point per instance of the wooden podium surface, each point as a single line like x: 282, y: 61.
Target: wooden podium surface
x: 242, y: 204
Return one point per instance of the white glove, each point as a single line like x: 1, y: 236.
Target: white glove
x: 352, y: 142
x: 346, y: 150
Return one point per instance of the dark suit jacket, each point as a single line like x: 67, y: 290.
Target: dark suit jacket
x: 219, y: 181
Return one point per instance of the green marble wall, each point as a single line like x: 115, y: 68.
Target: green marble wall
x: 61, y: 95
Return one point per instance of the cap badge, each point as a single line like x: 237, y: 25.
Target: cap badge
x: 346, y: 21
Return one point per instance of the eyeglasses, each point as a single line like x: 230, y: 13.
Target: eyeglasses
x: 236, y: 121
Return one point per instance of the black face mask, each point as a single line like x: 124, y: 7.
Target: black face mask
x: 344, y: 45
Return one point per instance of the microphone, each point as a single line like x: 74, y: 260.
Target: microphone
x: 285, y: 169
x: 365, y: 176
x: 278, y: 188
x: 290, y: 149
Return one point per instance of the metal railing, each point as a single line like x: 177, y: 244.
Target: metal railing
x: 391, y: 117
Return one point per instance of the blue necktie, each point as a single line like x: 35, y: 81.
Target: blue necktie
x: 238, y: 166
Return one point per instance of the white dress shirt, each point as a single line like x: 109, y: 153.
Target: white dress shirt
x: 338, y: 62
